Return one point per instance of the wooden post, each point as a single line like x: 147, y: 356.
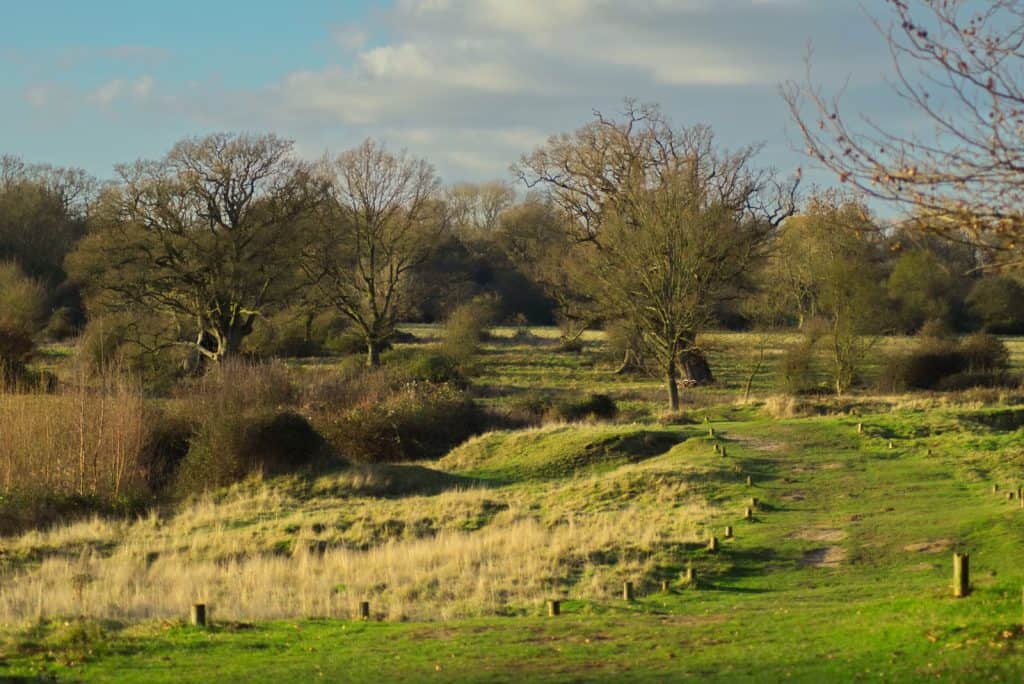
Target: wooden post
x: 554, y: 608
x: 1009, y: 496
x: 929, y: 452
x: 723, y: 451
x: 627, y: 591
x: 891, y: 444
x: 860, y: 428
x: 748, y: 513
x: 198, y: 616
x: 753, y: 502
x: 691, y: 575
x: 995, y: 489
x: 666, y: 586
x: 717, y: 448
x: 1020, y: 496
x: 711, y: 432
x: 713, y: 544
x: 728, y: 531
x: 364, y: 610
x: 961, y: 575
x: 750, y: 482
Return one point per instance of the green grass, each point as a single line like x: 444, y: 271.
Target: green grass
x: 844, y: 573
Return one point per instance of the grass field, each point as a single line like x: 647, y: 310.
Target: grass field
x: 844, y: 572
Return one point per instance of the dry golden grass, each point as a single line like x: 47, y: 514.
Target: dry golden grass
x: 78, y: 441
x: 290, y: 548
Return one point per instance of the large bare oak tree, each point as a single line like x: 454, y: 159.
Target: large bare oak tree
x: 207, y: 235
x: 664, y: 220
x: 381, y: 220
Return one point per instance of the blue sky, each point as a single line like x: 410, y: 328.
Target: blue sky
x: 468, y: 84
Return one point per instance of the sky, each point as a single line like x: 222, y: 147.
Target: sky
x: 469, y: 85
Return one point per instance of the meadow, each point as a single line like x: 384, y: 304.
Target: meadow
x: 842, y: 571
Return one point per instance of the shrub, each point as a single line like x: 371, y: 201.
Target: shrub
x: 571, y: 345
x: 420, y: 420
x: 16, y: 348
x: 74, y: 451
x: 935, y: 329
x: 135, y: 346
x: 985, y: 353
x: 295, y: 332
x: 61, y: 325
x: 242, y: 422
x: 798, y: 372
x: 970, y: 380
x: 467, y: 326
x: 596, y: 406
x: 22, y: 300
x: 980, y: 360
x: 423, y: 365
x: 228, y: 448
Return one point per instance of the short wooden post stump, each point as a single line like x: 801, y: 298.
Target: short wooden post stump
x: 554, y: 608
x: 961, y: 575
x: 364, y: 610
x: 198, y: 614
x: 627, y: 591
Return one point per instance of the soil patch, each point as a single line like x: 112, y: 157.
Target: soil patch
x: 825, y: 557
x: 820, y: 534
x: 933, y: 546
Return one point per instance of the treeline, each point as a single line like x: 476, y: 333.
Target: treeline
x: 232, y: 245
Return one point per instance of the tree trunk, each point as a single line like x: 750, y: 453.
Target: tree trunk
x: 372, y: 353
x: 630, y: 363
x: 697, y: 369
x: 673, y: 385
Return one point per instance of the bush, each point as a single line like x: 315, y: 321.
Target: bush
x: 467, y: 326
x: 940, y: 363
x: 74, y: 451
x: 61, y: 325
x: 423, y: 365
x: 595, y: 406
x: 295, y: 333
x: 136, y: 346
x: 420, y: 420
x: 798, y: 372
x: 985, y: 353
x: 970, y: 380
x: 16, y: 348
x: 242, y: 422
x: 228, y: 448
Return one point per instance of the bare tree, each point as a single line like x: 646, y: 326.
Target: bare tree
x: 960, y: 65
x: 477, y: 207
x: 830, y: 254
x: 382, y: 220
x: 207, y: 234
x: 664, y: 219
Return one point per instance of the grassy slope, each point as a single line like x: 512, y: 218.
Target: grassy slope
x: 888, y: 519
x: 844, y: 573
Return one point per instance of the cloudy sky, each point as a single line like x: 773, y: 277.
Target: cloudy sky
x: 468, y: 84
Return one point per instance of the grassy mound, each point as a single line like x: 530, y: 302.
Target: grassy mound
x: 558, y: 451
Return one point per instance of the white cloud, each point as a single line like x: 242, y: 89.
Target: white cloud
x: 472, y: 84
x: 117, y: 90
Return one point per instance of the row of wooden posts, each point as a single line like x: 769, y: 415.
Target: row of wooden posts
x: 554, y: 606
x: 961, y: 561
